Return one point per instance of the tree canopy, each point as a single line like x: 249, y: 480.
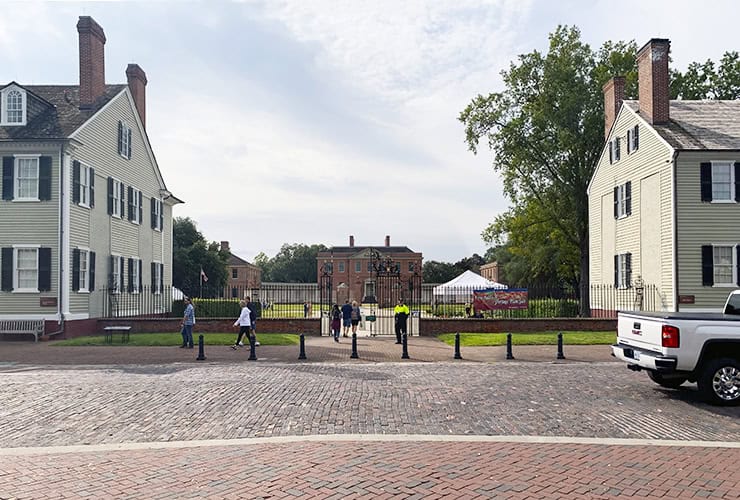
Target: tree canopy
x: 442, y: 272
x: 191, y: 253
x: 708, y: 80
x: 294, y: 263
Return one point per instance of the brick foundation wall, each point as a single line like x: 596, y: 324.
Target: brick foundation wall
x: 432, y: 327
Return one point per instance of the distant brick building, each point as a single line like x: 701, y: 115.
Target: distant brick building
x: 490, y: 271
x: 353, y: 272
x: 243, y: 276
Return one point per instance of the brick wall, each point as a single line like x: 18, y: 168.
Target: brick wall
x: 431, y: 327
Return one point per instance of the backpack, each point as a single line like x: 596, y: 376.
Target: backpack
x: 355, y: 314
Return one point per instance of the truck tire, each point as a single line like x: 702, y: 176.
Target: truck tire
x: 719, y: 381
x: 663, y: 381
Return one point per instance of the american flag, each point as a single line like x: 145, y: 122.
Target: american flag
x: 203, y: 275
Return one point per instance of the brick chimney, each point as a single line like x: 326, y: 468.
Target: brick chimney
x: 225, y: 245
x: 652, y: 72
x: 351, y: 241
x: 137, y: 86
x: 92, y: 61
x: 613, y: 97
x: 387, y: 241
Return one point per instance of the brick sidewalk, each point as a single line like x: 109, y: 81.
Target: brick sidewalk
x: 318, y: 349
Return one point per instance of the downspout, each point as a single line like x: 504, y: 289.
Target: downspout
x: 60, y: 281
x: 675, y: 229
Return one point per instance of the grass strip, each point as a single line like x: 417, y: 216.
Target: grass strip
x: 531, y: 338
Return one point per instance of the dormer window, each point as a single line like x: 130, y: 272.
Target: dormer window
x: 13, y: 107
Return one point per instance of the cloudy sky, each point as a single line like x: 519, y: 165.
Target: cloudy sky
x: 307, y: 121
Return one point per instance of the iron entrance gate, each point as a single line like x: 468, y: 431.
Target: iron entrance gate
x: 381, y: 293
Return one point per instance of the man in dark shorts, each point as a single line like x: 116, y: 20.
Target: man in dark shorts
x: 346, y: 317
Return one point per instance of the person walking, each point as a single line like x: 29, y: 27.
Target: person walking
x: 400, y: 314
x: 252, y: 318
x: 346, y: 317
x: 188, y: 321
x: 355, y: 316
x: 244, y: 325
x: 336, y: 321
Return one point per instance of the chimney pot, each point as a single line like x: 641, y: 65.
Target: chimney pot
x: 387, y: 241
x: 351, y: 241
x: 652, y: 72
x: 613, y: 97
x: 92, y: 61
x: 137, y: 86
x: 224, y: 245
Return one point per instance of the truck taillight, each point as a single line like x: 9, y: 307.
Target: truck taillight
x: 670, y: 336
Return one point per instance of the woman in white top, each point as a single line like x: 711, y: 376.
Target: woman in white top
x: 243, y: 324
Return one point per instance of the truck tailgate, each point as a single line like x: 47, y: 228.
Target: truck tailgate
x: 640, y: 331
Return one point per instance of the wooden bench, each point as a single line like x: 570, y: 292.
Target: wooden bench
x: 108, y: 331
x: 22, y: 327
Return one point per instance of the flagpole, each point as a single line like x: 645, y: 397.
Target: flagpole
x: 200, y: 277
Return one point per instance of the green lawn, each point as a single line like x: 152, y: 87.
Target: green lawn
x: 171, y: 339
x: 534, y: 338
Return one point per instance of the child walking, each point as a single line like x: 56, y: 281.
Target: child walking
x: 244, y: 325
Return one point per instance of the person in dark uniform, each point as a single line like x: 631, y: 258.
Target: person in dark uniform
x: 400, y: 314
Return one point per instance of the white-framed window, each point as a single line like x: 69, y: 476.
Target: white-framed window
x: 26, y: 276
x: 358, y: 266
x: 341, y: 267
x: 723, y: 181
x: 84, y: 271
x: 124, y: 140
x: 157, y: 280
x: 633, y: 139
x: 135, y: 204
x: 26, y: 186
x: 623, y: 200
x: 234, y: 273
x: 13, y: 106
x: 116, y: 273
x: 614, y: 149
x: 134, y: 274
x: 623, y: 270
x: 85, y: 183
x: 723, y: 262
x: 118, y: 198
x: 157, y: 219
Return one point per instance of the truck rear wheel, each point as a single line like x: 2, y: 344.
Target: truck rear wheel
x: 719, y: 381
x: 663, y: 381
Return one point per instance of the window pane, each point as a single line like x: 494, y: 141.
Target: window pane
x: 15, y: 107
x: 28, y: 172
x: 723, y: 265
x: 721, y: 182
x: 26, y: 267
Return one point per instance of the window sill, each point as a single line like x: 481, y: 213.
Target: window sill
x: 83, y: 291
x: 723, y: 202
x: 25, y: 290
x: 83, y: 205
x: 25, y: 200
x: 724, y: 285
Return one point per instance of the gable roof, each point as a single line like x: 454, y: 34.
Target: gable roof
x: 696, y: 125
x: 62, y: 114
x: 238, y: 261
x: 361, y: 249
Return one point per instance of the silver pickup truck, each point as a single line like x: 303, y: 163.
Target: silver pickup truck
x: 674, y: 347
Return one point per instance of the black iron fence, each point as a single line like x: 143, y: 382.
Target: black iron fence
x: 301, y: 300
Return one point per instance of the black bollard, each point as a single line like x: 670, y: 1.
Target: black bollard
x: 201, y: 351
x: 560, y: 346
x: 252, y: 348
x: 405, y: 342
x: 457, y: 346
x: 302, y: 355
x: 354, y: 346
x: 509, y: 355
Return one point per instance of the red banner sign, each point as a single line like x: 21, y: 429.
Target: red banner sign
x: 495, y: 299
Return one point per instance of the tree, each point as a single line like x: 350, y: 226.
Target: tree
x: 191, y: 253
x: 294, y: 263
x: 546, y: 132
x: 438, y: 272
x: 707, y: 80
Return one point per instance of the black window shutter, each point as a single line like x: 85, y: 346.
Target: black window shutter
x: 737, y: 249
x: 705, y: 171
x: 628, y: 197
x: 628, y: 277
x: 636, y: 138
x: 611, y: 151
x: 707, y: 265
x: 161, y: 215
x: 75, y: 269
x: 616, y: 271
x: 110, y: 195
x: 617, y: 153
x: 161, y: 277
x: 6, y: 278
x: 92, y: 187
x: 91, y: 274
x: 123, y: 199
x: 141, y: 208
x: 154, y: 276
x: 629, y: 141
x: 153, y: 214
x: 120, y: 138
x: 111, y: 270
x: 44, y: 269
x: 76, y: 181
x: 8, y: 167
x: 131, y: 203
x: 616, y: 202
x: 45, y: 178
x: 737, y: 181
x: 128, y: 152
x: 140, y: 263
x: 130, y: 275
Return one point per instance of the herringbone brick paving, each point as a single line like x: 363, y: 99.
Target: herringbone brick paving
x: 148, y: 421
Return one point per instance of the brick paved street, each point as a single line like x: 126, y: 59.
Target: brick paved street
x: 278, y: 429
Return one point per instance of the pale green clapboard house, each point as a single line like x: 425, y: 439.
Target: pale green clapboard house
x: 664, y: 200
x: 84, y: 206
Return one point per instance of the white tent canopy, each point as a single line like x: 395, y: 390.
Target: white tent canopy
x: 465, y: 284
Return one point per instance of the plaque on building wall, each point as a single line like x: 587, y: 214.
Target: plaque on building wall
x: 685, y: 299
x: 48, y: 301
